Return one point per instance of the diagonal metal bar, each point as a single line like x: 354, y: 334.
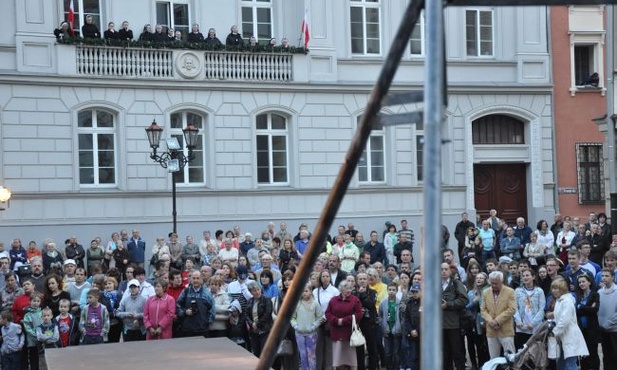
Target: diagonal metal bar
x: 356, y: 148
x: 403, y: 98
x: 401, y: 119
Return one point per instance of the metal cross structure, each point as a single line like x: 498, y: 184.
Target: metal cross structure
x: 435, y: 99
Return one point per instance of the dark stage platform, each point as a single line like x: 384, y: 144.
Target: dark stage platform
x: 171, y: 354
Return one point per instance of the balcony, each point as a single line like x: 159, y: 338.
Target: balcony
x: 179, y: 64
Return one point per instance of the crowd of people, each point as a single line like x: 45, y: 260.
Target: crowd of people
x: 505, y: 281
x: 163, y: 34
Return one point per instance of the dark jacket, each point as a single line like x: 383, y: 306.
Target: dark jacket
x: 213, y: 41
x: 160, y: 37
x: 125, y: 35
x: 90, y: 31
x: 195, y: 37
x: 377, y: 251
x: 75, y: 252
x: 197, y: 300
x: 588, y: 312
x: 456, y: 300
x: 342, y: 275
x: 399, y: 247
x: 368, y: 299
x: 264, y: 315
x: 146, y: 36
x: 137, y: 250
x: 411, y: 319
x: 460, y: 232
x: 108, y: 35
x: 234, y: 40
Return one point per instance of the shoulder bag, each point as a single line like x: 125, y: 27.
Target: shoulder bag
x: 356, y: 339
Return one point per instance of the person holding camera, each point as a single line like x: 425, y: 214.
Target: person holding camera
x: 195, y: 308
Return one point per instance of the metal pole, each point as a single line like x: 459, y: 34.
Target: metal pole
x: 339, y: 188
x: 434, y: 102
x: 610, y: 99
x: 174, y: 214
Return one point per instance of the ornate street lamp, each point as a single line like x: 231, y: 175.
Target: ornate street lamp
x: 5, y: 195
x: 174, y: 159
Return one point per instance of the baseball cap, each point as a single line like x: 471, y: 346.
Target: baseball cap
x: 133, y: 282
x: 242, y: 272
x: 70, y: 262
x: 415, y: 288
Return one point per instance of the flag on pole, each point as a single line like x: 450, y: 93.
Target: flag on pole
x: 306, y: 34
x: 71, y: 18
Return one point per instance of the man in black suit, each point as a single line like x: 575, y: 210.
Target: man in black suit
x: 336, y: 274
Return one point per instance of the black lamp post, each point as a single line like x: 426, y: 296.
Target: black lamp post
x: 173, y: 159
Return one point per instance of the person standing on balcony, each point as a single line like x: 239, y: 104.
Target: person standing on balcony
x: 159, y: 35
x: 146, y: 33
x: 234, y: 38
x: 90, y: 30
x: 125, y: 33
x: 111, y: 33
x: 212, y: 39
x: 195, y: 35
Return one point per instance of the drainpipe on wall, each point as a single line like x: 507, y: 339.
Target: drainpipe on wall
x: 610, y: 97
x: 554, y: 143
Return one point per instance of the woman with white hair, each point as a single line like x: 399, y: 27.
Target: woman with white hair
x: 339, y: 315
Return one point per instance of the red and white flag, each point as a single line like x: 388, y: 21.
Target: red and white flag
x: 306, y: 34
x: 71, y: 17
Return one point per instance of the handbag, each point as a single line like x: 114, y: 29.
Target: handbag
x: 285, y: 348
x: 553, y: 349
x: 356, y: 339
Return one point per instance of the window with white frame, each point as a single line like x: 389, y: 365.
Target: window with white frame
x: 174, y: 14
x: 416, y: 41
x: 365, y: 32
x: 420, y: 151
x: 96, y: 133
x: 257, y: 19
x: 194, y: 172
x: 82, y: 8
x: 372, y: 164
x: 479, y: 32
x: 586, y: 55
x: 272, y: 137
x: 589, y: 163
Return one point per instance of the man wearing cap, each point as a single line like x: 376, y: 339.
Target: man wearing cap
x: 131, y: 311
x: 238, y: 289
x: 195, y: 308
x: 411, y: 326
x: 69, y: 271
x: 145, y: 288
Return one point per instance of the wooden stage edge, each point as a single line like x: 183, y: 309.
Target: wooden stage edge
x: 174, y: 354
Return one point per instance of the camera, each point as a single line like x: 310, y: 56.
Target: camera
x: 194, y: 306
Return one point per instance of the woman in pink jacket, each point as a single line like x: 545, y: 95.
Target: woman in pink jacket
x: 159, y: 312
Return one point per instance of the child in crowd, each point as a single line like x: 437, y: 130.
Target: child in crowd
x: 113, y: 296
x: 186, y: 273
x: 67, y: 326
x: 305, y: 320
x: 131, y: 311
x: 94, y: 321
x: 389, y: 319
x: 32, y: 320
x: 235, y: 330
x: 47, y: 333
x: 12, y: 342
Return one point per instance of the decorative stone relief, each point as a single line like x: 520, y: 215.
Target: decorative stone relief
x: 189, y: 65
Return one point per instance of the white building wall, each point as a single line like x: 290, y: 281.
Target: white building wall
x: 39, y: 105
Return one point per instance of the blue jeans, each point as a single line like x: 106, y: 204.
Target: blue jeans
x: 566, y: 364
x: 392, y: 346
x: 405, y: 353
x: 11, y: 361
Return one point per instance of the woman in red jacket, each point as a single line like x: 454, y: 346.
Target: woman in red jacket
x: 159, y: 312
x: 339, y: 316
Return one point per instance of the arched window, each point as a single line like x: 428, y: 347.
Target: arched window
x: 272, y: 138
x: 96, y: 131
x: 194, y: 171
x: 498, y: 129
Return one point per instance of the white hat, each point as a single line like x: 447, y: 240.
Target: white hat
x: 70, y: 262
x: 133, y: 282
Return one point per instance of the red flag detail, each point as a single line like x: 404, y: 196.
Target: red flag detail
x: 306, y: 34
x: 71, y: 17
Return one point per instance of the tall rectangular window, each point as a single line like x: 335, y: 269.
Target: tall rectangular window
x: 372, y: 165
x: 272, y: 149
x: 420, y: 151
x: 193, y: 172
x: 81, y: 9
x: 416, y: 41
x: 257, y: 19
x: 589, y: 163
x: 97, y: 148
x: 479, y: 33
x: 174, y: 14
x: 583, y: 63
x: 365, y: 31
